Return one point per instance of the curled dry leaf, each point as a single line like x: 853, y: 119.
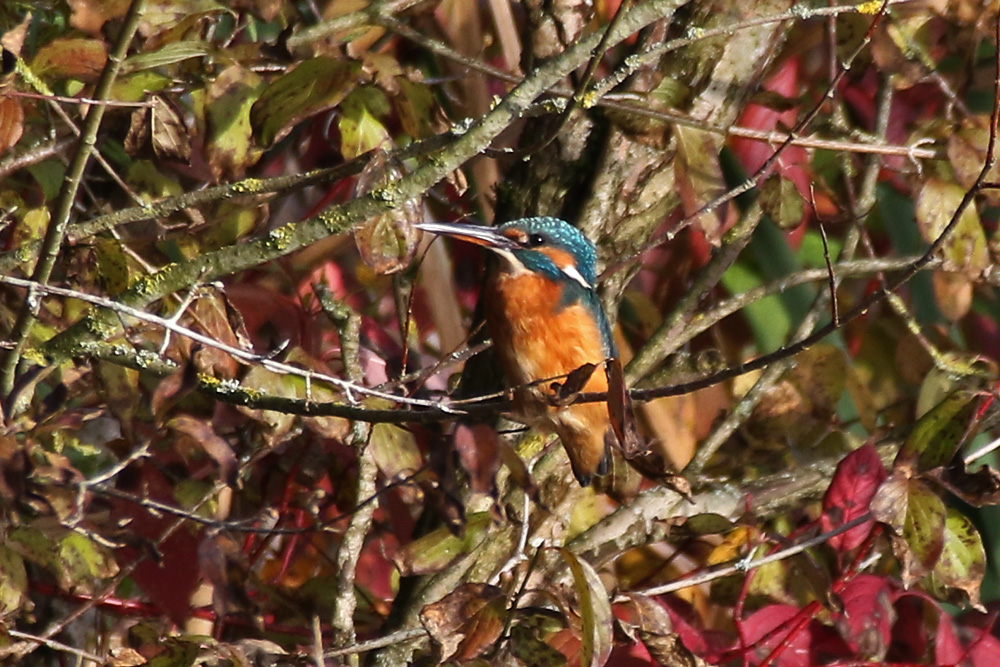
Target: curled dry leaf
x: 11, y: 122
x: 466, y: 622
x: 386, y: 242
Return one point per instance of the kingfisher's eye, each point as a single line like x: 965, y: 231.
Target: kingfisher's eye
x: 535, y: 240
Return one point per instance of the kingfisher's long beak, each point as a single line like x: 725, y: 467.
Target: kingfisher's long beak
x: 478, y: 234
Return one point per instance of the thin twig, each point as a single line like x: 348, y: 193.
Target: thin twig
x: 48, y: 643
x: 349, y: 388
x: 744, y: 565
x: 56, y: 230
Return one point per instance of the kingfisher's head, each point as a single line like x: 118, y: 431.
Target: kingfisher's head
x: 547, y: 246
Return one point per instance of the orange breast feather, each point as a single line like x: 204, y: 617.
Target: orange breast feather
x: 536, y: 339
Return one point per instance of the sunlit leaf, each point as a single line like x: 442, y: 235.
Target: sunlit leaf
x: 73, y: 57
x: 119, y: 387
x: 90, y: 15
x: 230, y: 149
x: 938, y: 434
x: 965, y: 248
x: 315, y: 85
x: 467, y: 621
x: 112, y: 264
x: 857, y: 478
x: 962, y: 565
x: 436, y: 550
x: 82, y: 562
x: 595, y: 610
x: 13, y: 582
x: 168, y: 54
x: 916, y: 518
x: 395, y: 451
x: 361, y: 129
x: 11, y: 123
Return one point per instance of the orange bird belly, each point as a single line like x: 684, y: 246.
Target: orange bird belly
x: 537, y: 339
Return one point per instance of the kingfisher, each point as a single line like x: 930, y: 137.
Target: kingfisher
x: 546, y: 321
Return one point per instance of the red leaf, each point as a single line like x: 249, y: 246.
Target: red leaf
x: 170, y: 582
x: 867, y: 616
x: 774, y: 624
x: 948, y: 650
x: 479, y: 451
x: 853, y: 486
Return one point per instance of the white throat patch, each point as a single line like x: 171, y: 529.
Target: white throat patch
x: 514, y: 265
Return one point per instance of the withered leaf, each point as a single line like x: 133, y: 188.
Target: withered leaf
x: 466, y: 622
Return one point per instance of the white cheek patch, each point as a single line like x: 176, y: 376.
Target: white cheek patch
x: 570, y: 272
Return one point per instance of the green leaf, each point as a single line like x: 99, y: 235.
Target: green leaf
x: 360, y: 129
x: 916, y: 517
x: 781, y: 201
x: 962, y: 565
x: 965, y: 248
x: 531, y: 650
x: 938, y: 434
x: 438, y: 549
x: 314, y: 86
x: 84, y: 561
x: 768, y: 317
x: 13, y: 581
x: 595, y: 610
x: 229, y: 147
x: 168, y: 54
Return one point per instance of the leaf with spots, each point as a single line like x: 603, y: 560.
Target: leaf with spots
x: 962, y: 564
x: 938, y: 434
x: 915, y: 516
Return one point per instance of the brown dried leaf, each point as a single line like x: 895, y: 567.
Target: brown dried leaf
x: 76, y: 58
x: 11, y: 123
x: 621, y: 412
x: 159, y: 130
x: 466, y: 622
x: 564, y: 393
x: 387, y: 242
x: 89, y: 16
x: 204, y: 437
x: 953, y: 293
x: 979, y: 488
